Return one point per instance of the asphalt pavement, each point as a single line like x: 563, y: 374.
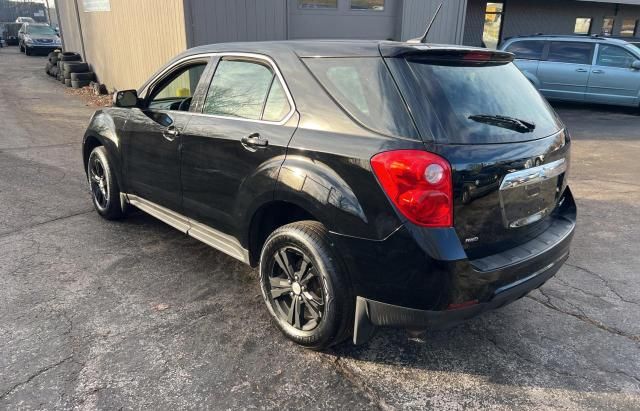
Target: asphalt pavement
x: 133, y: 314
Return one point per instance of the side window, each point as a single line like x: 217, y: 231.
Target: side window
x: 613, y: 56
x: 570, y: 52
x: 531, y: 49
x: 240, y: 88
x: 175, y: 93
x: 277, y: 105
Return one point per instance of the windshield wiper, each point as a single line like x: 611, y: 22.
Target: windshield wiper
x: 510, y: 123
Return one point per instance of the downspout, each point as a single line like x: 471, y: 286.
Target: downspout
x: 84, y: 53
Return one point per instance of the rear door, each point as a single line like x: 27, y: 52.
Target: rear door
x: 244, y: 126
x: 612, y: 79
x: 565, y: 73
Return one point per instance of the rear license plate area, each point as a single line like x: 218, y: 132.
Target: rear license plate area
x: 529, y: 195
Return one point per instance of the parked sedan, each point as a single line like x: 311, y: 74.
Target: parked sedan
x: 38, y: 38
x: 577, y: 68
x: 339, y: 168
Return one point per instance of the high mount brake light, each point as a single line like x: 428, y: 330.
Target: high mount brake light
x: 418, y: 183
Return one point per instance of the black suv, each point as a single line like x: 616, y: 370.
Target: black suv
x: 373, y: 183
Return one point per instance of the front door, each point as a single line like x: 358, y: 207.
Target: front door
x: 152, y: 163
x: 243, y: 131
x: 565, y: 73
x: 613, y: 80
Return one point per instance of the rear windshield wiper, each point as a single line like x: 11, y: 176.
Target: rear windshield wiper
x: 510, y: 123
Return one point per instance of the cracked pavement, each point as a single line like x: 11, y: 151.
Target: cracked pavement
x: 133, y: 314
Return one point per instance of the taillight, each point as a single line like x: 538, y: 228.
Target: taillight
x: 419, y: 184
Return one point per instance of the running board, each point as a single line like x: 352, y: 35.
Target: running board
x: 213, y: 238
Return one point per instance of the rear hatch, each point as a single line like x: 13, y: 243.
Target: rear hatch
x: 508, y: 150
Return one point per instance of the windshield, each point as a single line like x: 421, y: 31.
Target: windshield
x: 41, y: 30
x: 483, y: 103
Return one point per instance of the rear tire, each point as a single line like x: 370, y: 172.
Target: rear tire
x: 305, y: 287
x: 105, y: 191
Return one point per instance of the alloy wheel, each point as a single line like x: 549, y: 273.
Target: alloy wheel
x: 98, y: 181
x: 296, y: 289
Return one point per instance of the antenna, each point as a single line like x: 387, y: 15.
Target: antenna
x: 423, y: 39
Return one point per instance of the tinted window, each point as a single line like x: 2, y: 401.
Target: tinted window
x: 570, y: 52
x: 178, y: 87
x: 456, y: 93
x: 527, y: 49
x: 238, y: 89
x: 364, y: 88
x: 613, y: 56
x: 277, y: 105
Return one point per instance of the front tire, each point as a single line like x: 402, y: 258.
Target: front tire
x: 305, y: 287
x: 105, y: 191
x: 27, y: 51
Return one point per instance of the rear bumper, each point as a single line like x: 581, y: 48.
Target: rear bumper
x: 416, y: 279
x: 370, y: 313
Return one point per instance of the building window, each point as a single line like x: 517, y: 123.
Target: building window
x: 318, y: 4
x: 607, y: 26
x: 629, y: 27
x: 492, y: 25
x: 375, y: 5
x: 583, y: 25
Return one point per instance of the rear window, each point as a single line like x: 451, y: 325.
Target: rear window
x: 570, y: 52
x: 364, y: 88
x: 531, y: 49
x: 464, y: 97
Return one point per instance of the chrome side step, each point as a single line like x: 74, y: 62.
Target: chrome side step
x: 213, y: 238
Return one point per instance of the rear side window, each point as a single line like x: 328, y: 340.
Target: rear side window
x: 238, y: 89
x: 570, y: 52
x: 531, y: 50
x: 364, y: 88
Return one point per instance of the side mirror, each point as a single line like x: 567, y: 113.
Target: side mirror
x: 636, y: 65
x: 126, y: 99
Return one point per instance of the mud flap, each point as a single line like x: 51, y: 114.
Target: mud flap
x: 363, y: 329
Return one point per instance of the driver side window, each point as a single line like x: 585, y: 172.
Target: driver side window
x: 177, y: 90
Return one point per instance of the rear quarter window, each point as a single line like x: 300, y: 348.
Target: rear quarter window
x: 364, y: 88
x: 527, y: 49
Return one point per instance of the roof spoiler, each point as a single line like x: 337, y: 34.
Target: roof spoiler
x: 451, y: 55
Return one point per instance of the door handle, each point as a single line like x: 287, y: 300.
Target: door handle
x: 170, y: 133
x: 598, y: 71
x: 254, y: 140
x: 581, y: 70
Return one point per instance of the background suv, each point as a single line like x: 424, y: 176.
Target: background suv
x: 38, y: 37
x: 584, y: 69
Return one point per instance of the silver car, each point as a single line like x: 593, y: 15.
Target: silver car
x: 577, y: 68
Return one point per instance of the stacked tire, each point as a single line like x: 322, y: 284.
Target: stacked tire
x: 52, y: 63
x: 70, y: 70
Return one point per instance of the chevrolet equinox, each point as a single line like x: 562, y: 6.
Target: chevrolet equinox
x: 373, y: 183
